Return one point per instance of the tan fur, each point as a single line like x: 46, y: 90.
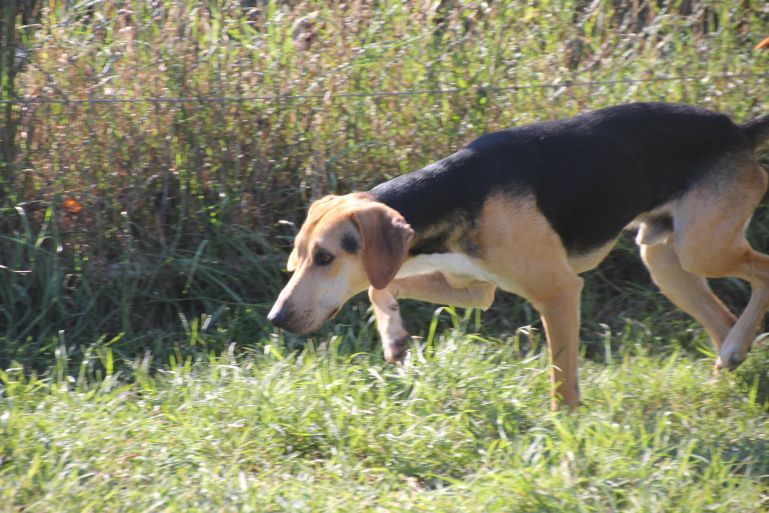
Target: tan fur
x: 389, y: 323
x: 316, y: 293
x: 689, y: 292
x: 530, y: 260
x: 709, y: 241
x: 589, y: 261
x: 521, y: 249
x: 435, y: 288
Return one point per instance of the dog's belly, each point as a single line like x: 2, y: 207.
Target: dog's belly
x: 584, y: 262
x: 460, y: 270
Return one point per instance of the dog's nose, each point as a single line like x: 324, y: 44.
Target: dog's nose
x: 278, y: 316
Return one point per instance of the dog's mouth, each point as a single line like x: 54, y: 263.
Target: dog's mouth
x: 310, y: 325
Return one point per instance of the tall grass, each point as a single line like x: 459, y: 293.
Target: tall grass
x: 141, y: 216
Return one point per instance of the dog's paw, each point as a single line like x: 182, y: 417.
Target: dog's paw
x: 730, y: 359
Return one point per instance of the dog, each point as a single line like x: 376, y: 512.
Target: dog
x: 529, y: 209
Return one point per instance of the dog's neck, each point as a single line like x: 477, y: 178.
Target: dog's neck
x: 441, y: 222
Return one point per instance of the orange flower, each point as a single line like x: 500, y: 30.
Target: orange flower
x: 72, y: 206
x: 763, y: 44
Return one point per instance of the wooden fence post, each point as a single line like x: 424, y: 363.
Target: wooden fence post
x: 8, y: 13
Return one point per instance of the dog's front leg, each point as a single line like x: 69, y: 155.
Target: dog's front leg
x: 560, y: 315
x: 432, y: 287
x: 389, y: 323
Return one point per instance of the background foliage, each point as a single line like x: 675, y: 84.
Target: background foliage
x: 158, y: 156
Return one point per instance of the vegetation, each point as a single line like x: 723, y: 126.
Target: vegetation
x: 165, y: 148
x: 463, y: 427
x: 155, y: 161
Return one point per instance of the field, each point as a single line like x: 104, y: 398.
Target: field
x: 156, y: 159
x: 462, y: 427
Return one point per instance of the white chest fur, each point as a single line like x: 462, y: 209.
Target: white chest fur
x: 459, y: 269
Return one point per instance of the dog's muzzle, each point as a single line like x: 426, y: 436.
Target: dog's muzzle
x: 279, y: 316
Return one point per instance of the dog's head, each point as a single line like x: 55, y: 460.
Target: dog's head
x: 346, y: 244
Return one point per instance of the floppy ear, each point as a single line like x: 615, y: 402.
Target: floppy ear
x: 386, y: 237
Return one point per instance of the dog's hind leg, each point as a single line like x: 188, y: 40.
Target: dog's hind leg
x: 709, y: 240
x: 689, y: 292
x: 754, y: 268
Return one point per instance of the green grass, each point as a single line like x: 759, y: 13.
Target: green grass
x: 462, y: 427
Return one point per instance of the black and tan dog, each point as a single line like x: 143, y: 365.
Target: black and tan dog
x: 529, y: 209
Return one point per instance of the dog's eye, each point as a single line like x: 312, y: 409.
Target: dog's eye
x: 323, y: 258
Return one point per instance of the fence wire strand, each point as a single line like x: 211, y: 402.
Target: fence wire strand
x: 378, y: 94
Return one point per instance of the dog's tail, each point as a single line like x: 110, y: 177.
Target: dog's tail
x: 762, y: 45
x: 757, y: 131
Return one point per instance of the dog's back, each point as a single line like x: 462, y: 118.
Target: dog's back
x: 591, y: 174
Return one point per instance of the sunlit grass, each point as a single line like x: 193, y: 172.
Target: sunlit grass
x: 465, y: 427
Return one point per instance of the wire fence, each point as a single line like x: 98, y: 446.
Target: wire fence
x: 274, y: 155
x: 119, y: 173
x: 567, y: 83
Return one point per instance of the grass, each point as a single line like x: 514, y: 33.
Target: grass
x: 464, y: 426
